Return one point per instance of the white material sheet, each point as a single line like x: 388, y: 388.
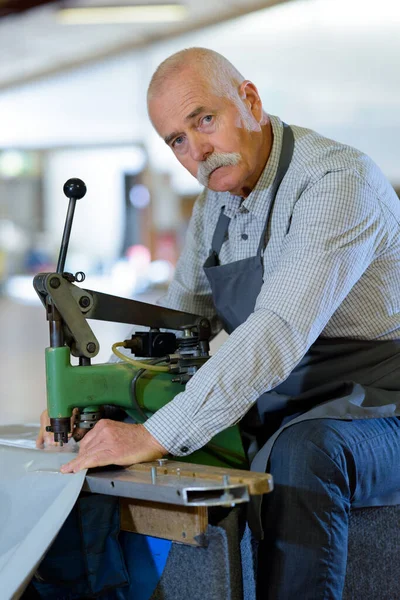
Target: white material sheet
x: 35, y: 500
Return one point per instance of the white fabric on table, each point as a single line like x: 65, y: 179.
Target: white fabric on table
x: 35, y: 500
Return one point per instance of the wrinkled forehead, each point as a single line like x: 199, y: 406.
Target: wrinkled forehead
x: 177, y: 88
x: 178, y: 96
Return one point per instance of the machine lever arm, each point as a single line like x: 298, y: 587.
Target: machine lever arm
x: 74, y: 189
x: 123, y: 310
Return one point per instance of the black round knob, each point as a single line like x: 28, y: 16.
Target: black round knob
x: 74, y: 188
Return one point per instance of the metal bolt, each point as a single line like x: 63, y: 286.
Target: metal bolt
x: 227, y: 497
x: 84, y: 301
x: 178, y: 472
x: 54, y: 282
x: 91, y: 347
x: 162, y: 461
x: 153, y: 475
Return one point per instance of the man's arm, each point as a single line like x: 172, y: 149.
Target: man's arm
x: 335, y: 232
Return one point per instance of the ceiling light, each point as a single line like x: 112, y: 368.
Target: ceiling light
x: 154, y: 13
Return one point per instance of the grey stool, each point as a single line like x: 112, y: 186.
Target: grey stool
x: 225, y: 569
x: 373, y: 565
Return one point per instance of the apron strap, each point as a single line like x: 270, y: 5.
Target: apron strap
x: 220, y: 232
x: 222, y: 226
x: 284, y: 162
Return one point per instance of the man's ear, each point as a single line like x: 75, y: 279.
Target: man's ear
x: 251, y: 98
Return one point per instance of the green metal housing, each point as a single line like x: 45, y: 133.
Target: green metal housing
x: 89, y: 387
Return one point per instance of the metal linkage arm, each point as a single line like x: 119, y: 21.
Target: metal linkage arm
x: 70, y: 301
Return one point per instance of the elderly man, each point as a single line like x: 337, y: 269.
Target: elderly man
x: 293, y: 248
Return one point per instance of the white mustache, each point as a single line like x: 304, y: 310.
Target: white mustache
x: 215, y: 160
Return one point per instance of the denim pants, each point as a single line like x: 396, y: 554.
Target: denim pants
x: 320, y: 468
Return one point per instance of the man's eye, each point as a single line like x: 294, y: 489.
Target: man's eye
x: 177, y: 141
x: 207, y: 119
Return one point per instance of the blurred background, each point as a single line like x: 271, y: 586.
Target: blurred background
x: 73, y: 81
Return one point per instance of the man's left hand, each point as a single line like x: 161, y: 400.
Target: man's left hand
x: 115, y: 443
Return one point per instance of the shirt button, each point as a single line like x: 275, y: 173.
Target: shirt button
x: 244, y: 236
x: 184, y: 449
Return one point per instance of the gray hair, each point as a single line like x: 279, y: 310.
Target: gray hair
x: 222, y: 76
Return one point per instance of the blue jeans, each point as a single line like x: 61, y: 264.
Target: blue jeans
x: 320, y: 469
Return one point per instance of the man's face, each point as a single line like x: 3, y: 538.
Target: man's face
x: 213, y: 137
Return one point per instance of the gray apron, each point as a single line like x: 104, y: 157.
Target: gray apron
x: 235, y: 286
x: 337, y: 378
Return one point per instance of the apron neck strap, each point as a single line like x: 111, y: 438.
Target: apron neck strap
x: 220, y: 232
x: 222, y: 226
x: 284, y: 163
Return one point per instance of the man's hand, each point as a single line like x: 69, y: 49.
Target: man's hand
x: 115, y: 443
x: 46, y: 438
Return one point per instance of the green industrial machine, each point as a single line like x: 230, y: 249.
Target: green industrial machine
x: 138, y: 386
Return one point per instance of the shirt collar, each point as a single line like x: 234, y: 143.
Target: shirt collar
x: 259, y: 199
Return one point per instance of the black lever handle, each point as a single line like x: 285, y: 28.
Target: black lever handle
x: 74, y: 189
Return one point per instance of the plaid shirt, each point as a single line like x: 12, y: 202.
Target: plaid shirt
x: 331, y: 269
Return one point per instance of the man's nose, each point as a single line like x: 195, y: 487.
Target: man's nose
x: 200, y: 148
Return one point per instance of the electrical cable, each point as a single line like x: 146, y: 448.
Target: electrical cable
x: 136, y: 363
x: 231, y: 453
x: 220, y: 454
x: 135, y: 401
